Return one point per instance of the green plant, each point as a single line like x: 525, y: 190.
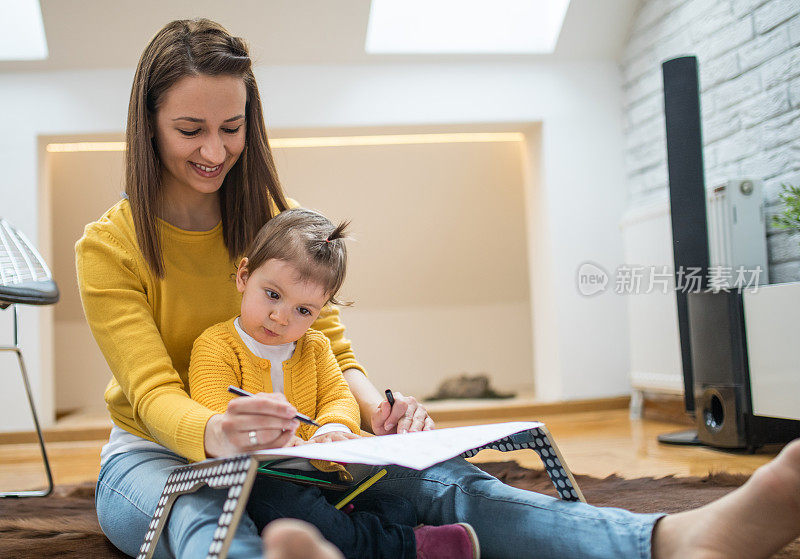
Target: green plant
x: 790, y: 218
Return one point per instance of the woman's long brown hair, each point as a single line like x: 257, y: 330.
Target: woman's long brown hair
x: 190, y: 48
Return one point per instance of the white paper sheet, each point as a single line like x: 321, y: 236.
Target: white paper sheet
x: 418, y: 450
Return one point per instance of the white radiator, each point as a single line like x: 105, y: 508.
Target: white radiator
x: 737, y: 234
x: 737, y: 237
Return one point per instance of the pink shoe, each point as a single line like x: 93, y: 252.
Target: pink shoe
x: 451, y: 541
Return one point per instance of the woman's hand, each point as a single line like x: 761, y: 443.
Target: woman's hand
x: 381, y: 418
x: 407, y: 415
x: 334, y: 436
x: 269, y: 418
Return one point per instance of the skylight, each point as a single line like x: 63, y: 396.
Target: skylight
x: 464, y: 26
x: 23, y: 32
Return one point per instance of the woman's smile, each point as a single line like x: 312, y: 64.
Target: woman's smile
x: 205, y: 171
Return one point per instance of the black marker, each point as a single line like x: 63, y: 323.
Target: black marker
x: 299, y: 417
x: 390, y: 397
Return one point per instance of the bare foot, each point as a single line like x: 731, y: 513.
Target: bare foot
x: 288, y: 538
x: 753, y: 522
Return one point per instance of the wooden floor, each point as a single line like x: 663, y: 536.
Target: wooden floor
x: 598, y: 443
x: 602, y: 443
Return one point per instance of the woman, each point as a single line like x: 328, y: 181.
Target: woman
x: 154, y: 272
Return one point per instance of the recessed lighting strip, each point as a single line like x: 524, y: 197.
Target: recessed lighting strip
x: 397, y: 139
x: 85, y: 146
x: 329, y: 141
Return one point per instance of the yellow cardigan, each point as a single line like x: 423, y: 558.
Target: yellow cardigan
x: 145, y: 326
x: 312, y: 380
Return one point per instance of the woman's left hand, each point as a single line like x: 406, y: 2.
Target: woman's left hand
x: 333, y: 436
x: 406, y: 416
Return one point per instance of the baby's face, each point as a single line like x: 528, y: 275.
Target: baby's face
x: 277, y: 306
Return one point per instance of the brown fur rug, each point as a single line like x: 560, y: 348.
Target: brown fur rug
x: 65, y: 524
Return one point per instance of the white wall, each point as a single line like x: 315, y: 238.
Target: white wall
x: 32, y: 105
x: 580, y: 188
x: 582, y: 197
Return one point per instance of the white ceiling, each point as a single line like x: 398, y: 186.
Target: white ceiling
x: 84, y: 34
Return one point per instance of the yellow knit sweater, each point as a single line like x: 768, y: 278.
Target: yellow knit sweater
x: 145, y: 326
x: 312, y: 380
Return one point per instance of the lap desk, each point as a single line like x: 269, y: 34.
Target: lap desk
x: 411, y: 450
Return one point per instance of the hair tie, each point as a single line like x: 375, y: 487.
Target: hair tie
x: 327, y: 240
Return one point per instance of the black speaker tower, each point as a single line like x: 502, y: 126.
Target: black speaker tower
x: 687, y: 194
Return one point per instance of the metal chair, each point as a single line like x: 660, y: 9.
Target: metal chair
x: 24, y: 279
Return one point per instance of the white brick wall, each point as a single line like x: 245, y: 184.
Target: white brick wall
x: 749, y: 58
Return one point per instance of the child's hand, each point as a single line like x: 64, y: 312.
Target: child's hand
x: 407, y: 415
x: 333, y: 436
x: 295, y: 441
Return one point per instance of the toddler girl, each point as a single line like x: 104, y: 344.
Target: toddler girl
x: 294, y: 267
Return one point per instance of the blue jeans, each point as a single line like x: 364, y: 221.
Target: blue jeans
x: 510, y: 522
x: 514, y: 523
